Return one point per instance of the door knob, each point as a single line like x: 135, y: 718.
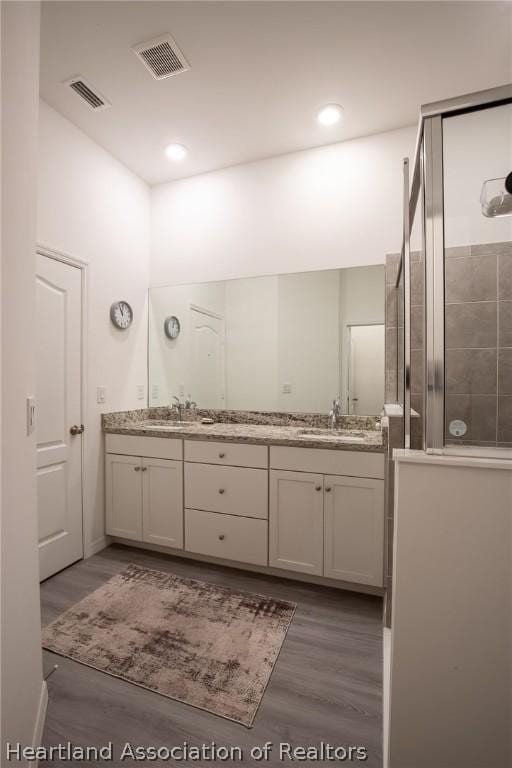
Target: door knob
x: 328, y: 489
x: 137, y: 469
x: 76, y: 429
x: 318, y: 488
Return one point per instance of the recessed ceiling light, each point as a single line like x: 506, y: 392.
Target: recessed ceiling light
x: 330, y: 115
x: 176, y: 152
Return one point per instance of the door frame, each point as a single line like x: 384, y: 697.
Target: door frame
x: 349, y: 327
x: 210, y: 313
x: 82, y: 265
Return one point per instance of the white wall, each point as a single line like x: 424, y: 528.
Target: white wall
x: 308, y: 341
x: 22, y: 689
x: 91, y: 207
x: 362, y: 302
x: 251, y: 343
x: 336, y: 206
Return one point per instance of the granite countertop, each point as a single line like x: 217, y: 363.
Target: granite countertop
x: 302, y: 430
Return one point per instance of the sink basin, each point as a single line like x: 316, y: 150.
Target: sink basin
x: 169, y: 425
x: 340, y: 435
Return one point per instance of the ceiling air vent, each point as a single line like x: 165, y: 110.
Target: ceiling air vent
x: 89, y: 94
x: 162, y: 57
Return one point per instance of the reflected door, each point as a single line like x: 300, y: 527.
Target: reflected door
x: 58, y: 397
x: 207, y: 352
x: 366, y: 369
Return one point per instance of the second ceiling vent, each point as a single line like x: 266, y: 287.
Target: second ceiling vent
x: 162, y: 57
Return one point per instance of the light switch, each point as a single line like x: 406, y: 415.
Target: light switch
x: 140, y: 391
x: 31, y: 415
x: 101, y: 395
x: 287, y: 389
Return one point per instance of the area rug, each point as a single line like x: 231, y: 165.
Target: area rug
x: 202, y: 644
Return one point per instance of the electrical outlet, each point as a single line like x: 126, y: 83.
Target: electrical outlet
x: 101, y: 395
x: 140, y: 391
x: 154, y: 392
x: 287, y: 389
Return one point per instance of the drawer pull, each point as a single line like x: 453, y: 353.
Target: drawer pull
x: 221, y: 537
x: 328, y: 489
x: 222, y: 455
x: 318, y: 488
x: 222, y: 490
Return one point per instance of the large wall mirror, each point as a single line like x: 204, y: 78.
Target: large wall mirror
x: 289, y: 342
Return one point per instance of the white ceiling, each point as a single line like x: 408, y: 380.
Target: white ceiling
x: 259, y: 71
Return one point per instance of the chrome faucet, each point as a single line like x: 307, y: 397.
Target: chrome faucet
x: 188, y: 404
x: 334, y: 414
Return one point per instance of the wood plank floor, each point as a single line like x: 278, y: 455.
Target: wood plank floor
x: 326, y: 686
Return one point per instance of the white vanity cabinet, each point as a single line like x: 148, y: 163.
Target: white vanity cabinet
x: 354, y: 529
x: 328, y: 525
x: 226, y: 500
x: 296, y: 521
x: 313, y: 511
x: 144, y: 494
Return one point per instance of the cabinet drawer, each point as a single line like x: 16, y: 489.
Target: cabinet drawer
x: 328, y: 462
x: 152, y: 447
x: 231, y: 490
x: 234, y: 454
x: 227, y: 536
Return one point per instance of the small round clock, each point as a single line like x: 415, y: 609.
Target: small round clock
x: 172, y: 327
x: 121, y: 315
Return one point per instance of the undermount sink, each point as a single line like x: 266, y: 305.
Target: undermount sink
x: 334, y: 434
x: 165, y: 426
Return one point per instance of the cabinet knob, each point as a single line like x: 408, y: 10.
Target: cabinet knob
x: 328, y: 489
x: 137, y: 469
x: 221, y: 537
x: 222, y: 490
x: 144, y: 469
x: 222, y: 455
x: 318, y: 487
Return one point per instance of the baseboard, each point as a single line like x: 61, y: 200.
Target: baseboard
x: 96, y: 546
x: 40, y: 720
x: 321, y: 581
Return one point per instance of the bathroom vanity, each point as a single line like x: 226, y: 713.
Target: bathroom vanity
x: 294, y: 498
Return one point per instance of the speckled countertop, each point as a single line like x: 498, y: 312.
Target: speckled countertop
x: 356, y: 433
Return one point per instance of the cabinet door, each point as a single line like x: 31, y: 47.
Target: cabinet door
x: 123, y: 483
x: 296, y: 521
x: 354, y: 529
x: 162, y: 491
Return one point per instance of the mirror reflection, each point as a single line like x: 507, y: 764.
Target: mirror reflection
x: 292, y: 342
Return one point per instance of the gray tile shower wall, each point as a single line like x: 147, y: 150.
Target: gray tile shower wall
x: 478, y: 339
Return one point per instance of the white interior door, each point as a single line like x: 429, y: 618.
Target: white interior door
x: 366, y: 369
x: 207, y: 359
x: 58, y: 398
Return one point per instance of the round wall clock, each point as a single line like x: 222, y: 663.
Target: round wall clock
x: 172, y: 327
x: 121, y: 315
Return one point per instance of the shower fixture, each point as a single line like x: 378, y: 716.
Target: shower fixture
x: 496, y: 197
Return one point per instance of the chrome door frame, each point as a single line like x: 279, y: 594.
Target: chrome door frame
x: 428, y: 178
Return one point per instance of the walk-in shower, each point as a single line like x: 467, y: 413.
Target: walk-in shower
x: 451, y: 287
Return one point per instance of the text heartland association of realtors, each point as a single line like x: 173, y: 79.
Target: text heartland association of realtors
x: 187, y: 752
